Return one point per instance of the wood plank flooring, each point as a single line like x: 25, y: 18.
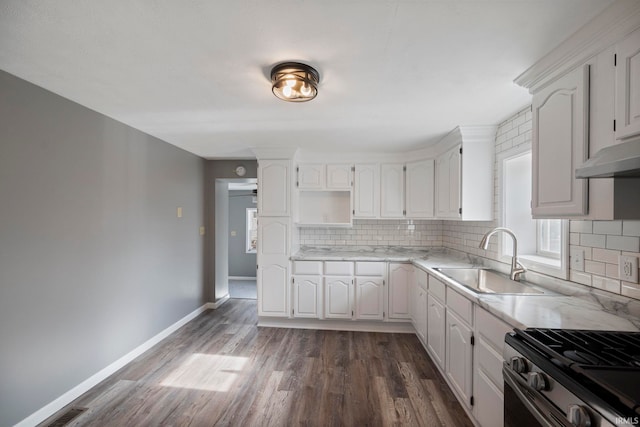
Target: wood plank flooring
x: 222, y: 370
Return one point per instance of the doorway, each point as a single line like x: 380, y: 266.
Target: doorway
x: 237, y: 237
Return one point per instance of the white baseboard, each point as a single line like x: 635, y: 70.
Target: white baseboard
x: 62, y: 401
x: 337, y: 325
x: 218, y: 303
x: 243, y: 278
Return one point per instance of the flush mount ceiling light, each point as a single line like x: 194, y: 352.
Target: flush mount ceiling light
x: 294, y: 82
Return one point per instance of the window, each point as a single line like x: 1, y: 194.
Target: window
x: 542, y: 243
x: 252, y: 230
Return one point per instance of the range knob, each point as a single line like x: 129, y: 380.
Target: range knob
x: 538, y: 381
x: 519, y: 364
x: 578, y: 416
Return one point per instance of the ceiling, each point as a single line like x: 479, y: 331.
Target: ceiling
x: 394, y: 74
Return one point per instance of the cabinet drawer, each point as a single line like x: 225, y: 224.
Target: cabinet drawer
x: 491, y: 328
x: 437, y: 288
x: 338, y: 268
x: 307, y: 267
x: 460, y: 305
x: 370, y: 268
x: 490, y: 363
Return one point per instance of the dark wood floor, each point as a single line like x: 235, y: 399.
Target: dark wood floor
x: 222, y: 370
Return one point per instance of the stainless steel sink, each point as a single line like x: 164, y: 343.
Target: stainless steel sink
x: 489, y: 281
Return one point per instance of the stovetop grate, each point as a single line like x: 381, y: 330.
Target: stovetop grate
x: 588, y: 348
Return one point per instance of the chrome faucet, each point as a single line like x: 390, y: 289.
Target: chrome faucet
x: 516, y: 268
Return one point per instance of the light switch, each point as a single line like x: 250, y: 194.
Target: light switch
x: 234, y: 233
x: 202, y: 230
x: 576, y: 259
x: 179, y: 212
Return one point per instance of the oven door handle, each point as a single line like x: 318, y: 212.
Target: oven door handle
x: 543, y: 410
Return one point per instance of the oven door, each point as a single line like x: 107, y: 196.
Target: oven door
x: 526, y: 407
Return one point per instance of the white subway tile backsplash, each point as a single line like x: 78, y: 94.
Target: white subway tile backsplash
x: 606, y: 284
x: 605, y: 255
x: 594, y: 267
x: 607, y: 227
x: 631, y: 228
x: 593, y: 240
x: 581, y: 226
x: 624, y: 243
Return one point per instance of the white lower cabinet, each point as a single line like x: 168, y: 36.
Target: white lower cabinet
x: 459, y: 357
x: 369, y: 298
x: 419, y: 304
x: 436, y: 326
x: 401, y: 276
x: 338, y: 297
x: 307, y: 296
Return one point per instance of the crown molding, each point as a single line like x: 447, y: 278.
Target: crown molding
x: 606, y: 29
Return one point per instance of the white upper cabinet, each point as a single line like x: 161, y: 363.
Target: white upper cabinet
x: 338, y: 177
x: 448, y: 183
x: 560, y: 136
x: 628, y: 86
x: 274, y: 187
x: 366, y: 200
x: 320, y: 176
x: 392, y: 191
x: 310, y: 176
x: 419, y: 189
x: 464, y: 174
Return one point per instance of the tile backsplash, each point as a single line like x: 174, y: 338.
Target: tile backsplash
x: 371, y: 232
x: 602, y: 241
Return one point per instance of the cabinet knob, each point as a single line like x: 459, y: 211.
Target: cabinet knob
x: 519, y: 364
x: 538, y: 381
x: 578, y: 416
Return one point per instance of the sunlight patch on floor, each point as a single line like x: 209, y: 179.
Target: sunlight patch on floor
x: 210, y: 372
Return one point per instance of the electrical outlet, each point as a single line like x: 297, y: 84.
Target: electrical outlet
x: 628, y: 268
x: 234, y: 233
x: 179, y: 212
x: 577, y: 259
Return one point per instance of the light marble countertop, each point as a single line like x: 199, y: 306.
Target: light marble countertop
x: 567, y: 305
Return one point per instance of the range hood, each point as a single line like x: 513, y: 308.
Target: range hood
x: 617, y: 161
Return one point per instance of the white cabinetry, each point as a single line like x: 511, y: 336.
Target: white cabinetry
x: 459, y: 349
x: 401, y: 277
x: 560, y: 135
x: 307, y: 296
x: 419, y: 189
x: 628, y: 86
x: 448, y: 184
x: 338, y: 294
x: 274, y: 187
x: 273, y: 266
x: 370, y: 285
x: 464, y: 174
x: 392, y: 190
x: 338, y: 177
x: 311, y: 176
x: 366, y: 195
x: 419, y: 304
x: 436, y: 325
x: 488, y: 383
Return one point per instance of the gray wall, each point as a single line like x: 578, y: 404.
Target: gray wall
x: 219, y: 169
x: 93, y: 261
x: 240, y: 262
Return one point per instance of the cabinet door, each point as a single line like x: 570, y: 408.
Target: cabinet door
x: 392, y: 191
x: 369, y: 298
x: 401, y: 277
x: 338, y: 177
x: 459, y: 365
x: 448, y: 184
x: 338, y: 297
x: 273, y: 267
x: 310, y: 176
x: 366, y: 201
x: 307, y: 296
x: 487, y: 397
x: 628, y: 86
x: 436, y: 324
x: 420, y: 307
x: 419, y: 189
x: 274, y: 181
x: 560, y: 135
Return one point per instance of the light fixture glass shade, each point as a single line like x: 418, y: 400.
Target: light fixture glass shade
x: 294, y: 82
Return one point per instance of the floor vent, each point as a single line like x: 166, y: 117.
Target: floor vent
x: 67, y: 417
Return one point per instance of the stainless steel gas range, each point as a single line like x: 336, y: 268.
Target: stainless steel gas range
x: 575, y: 378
